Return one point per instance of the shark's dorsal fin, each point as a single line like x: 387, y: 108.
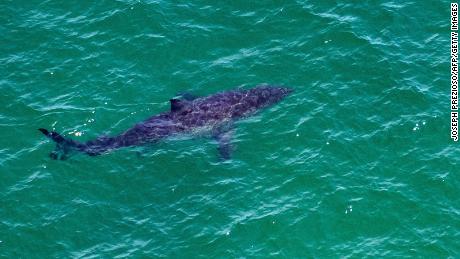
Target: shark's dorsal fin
x: 177, y: 104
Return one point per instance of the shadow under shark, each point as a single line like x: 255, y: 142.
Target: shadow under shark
x: 214, y: 113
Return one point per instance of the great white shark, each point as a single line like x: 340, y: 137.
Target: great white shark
x: 187, y: 114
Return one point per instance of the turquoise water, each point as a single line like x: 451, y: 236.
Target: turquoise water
x: 358, y: 162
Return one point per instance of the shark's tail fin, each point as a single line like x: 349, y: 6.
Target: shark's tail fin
x: 64, y: 146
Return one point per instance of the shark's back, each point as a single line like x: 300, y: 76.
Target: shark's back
x: 228, y: 105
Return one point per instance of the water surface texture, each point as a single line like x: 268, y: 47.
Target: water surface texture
x: 357, y: 162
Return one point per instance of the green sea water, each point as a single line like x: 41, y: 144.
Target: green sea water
x: 358, y: 162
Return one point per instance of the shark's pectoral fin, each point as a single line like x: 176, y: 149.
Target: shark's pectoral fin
x: 224, y: 138
x: 225, y: 146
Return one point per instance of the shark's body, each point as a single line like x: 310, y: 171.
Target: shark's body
x: 213, y: 112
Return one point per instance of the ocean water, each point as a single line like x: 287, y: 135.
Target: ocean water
x: 358, y: 162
